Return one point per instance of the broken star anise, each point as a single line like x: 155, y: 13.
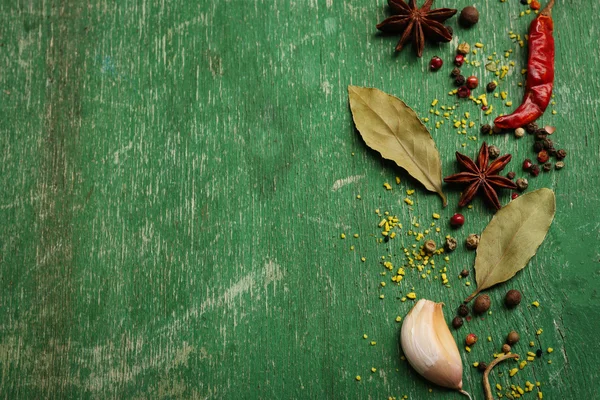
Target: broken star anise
x: 418, y: 23
x: 481, y: 178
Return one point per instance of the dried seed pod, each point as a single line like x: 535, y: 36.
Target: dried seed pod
x: 472, y: 241
x: 450, y: 244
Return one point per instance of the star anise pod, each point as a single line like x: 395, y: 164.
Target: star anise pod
x: 481, y: 178
x: 418, y: 23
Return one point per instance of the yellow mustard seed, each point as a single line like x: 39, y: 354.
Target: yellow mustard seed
x: 356, y: 235
x: 535, y: 303
x: 434, y: 102
x: 357, y: 378
x: 373, y: 343
x: 513, y: 371
x: 387, y: 186
x: 343, y: 236
x: 373, y: 369
x: 550, y: 350
x: 398, y: 318
x: 363, y: 259
x: 498, y: 386
x: 398, y: 178
x: 365, y: 336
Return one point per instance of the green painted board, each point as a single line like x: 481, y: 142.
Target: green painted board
x: 175, y: 177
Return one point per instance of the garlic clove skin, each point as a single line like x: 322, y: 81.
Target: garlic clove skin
x: 429, y: 346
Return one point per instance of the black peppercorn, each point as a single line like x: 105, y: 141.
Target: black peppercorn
x: 486, y: 129
x: 538, y: 146
x: 512, y: 298
x: 531, y: 127
x: 482, y: 304
x: 460, y: 80
x: 561, y: 154
x: 464, y: 273
x: 539, y: 352
x: 524, y: 2
x: 463, y: 310
x: 386, y: 239
x: 455, y: 72
x: 457, y: 322
x: 552, y: 151
x: 491, y: 87
x: 540, y: 134
x: 547, y: 143
x: 547, y: 167
x: 511, y: 175
x: 535, y: 170
x: 468, y: 17
x: 482, y: 366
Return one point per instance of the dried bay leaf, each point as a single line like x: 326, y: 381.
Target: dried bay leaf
x: 390, y: 127
x: 512, y: 237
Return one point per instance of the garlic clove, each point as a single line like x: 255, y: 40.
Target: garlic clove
x: 429, y: 346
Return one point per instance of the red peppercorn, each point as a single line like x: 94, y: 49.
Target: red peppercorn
x: 463, y: 92
x: 527, y: 164
x: 471, y: 339
x: 435, y: 63
x: 472, y: 82
x: 457, y: 220
x: 535, y: 5
x: 459, y: 60
x: 514, y: 195
x: 535, y: 170
x: 484, y: 108
x: 543, y: 157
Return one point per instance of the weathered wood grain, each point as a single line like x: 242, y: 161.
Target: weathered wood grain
x: 175, y: 177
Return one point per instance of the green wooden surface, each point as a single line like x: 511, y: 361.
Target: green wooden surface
x: 175, y: 176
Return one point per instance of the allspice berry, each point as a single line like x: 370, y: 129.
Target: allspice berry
x: 472, y: 241
x: 468, y: 17
x: 457, y: 322
x: 505, y: 348
x: 482, y: 304
x: 512, y: 298
x: 429, y: 246
x: 512, y: 338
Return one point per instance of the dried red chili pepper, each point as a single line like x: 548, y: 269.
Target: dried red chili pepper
x: 540, y: 73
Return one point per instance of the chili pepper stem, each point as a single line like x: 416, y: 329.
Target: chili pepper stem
x: 486, y: 373
x: 465, y: 393
x: 547, y: 11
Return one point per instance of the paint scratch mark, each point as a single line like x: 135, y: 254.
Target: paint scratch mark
x: 340, y: 183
